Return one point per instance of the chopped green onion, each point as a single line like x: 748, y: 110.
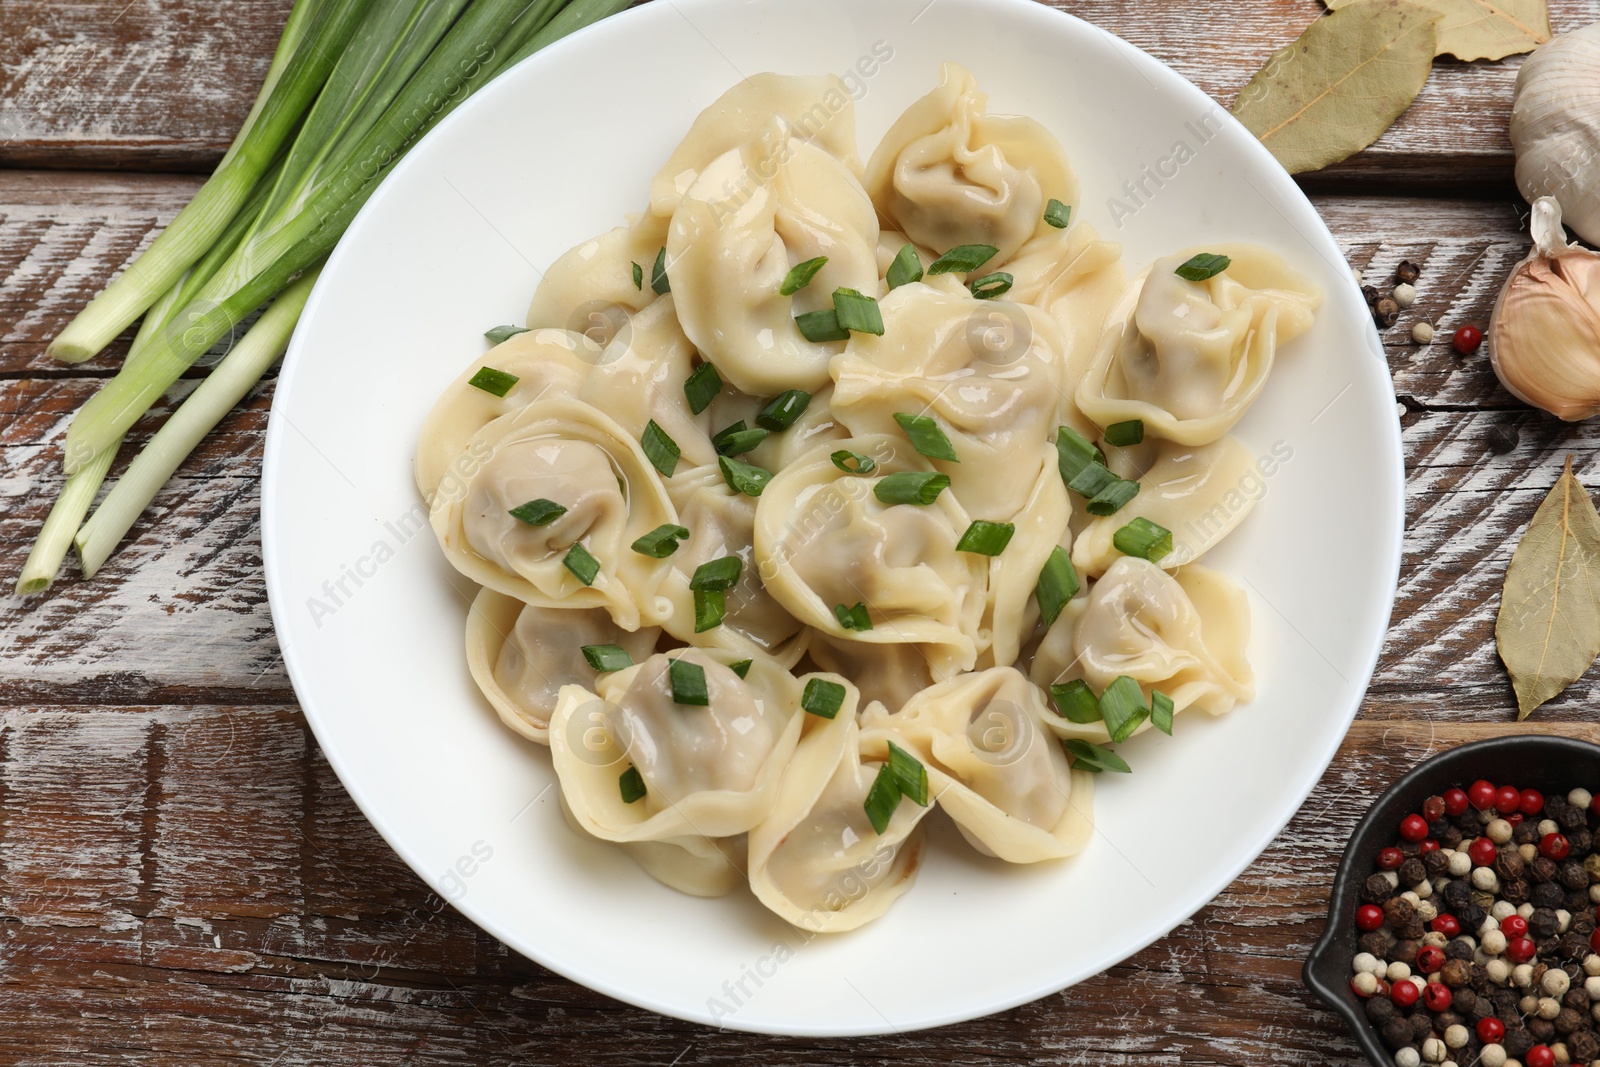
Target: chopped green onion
x: 632, y: 785
x: 926, y: 437
x: 906, y: 268
x: 606, y: 658
x: 1057, y: 214
x: 855, y: 618
x: 539, y: 512
x: 1093, y: 758
x: 823, y: 325
x: 1161, y: 710
x: 1092, y: 479
x: 720, y: 573
x: 963, y: 259
x: 660, y: 449
x: 991, y: 285
x: 909, y: 774
x: 742, y: 477
x: 702, y: 387
x: 882, y: 799
x: 1203, y: 266
x: 737, y: 439
x: 911, y: 487
x: 822, y: 698
x: 853, y: 462
x: 1127, y: 433
x: 986, y: 538
x: 800, y: 275
x: 1144, y: 539
x: 493, y: 381
x: 781, y: 411
x: 582, y: 565
x: 504, y: 333
x: 1058, y: 583
x: 1109, y: 500
x: 858, y: 312
x: 638, y: 277
x: 1076, y: 701
x: 1073, y: 453
x: 1122, y: 707
x: 688, y: 682
x: 661, y: 542
x: 658, y: 273
x: 710, y: 608
x: 742, y: 667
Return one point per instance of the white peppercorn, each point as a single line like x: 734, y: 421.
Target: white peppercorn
x: 1528, y: 1005
x: 1591, y: 964
x: 1499, y: 831
x: 1522, y: 975
x: 1494, y: 942
x: 1460, y: 865
x: 1405, y: 294
x: 1580, y: 798
x: 1499, y: 971
x: 1503, y: 909
x: 1591, y: 986
x: 1492, y: 1056
x: 1594, y: 1011
x: 1407, y: 1057
x: 1427, y: 911
x: 1365, y: 984
x: 1525, y: 910
x: 1420, y: 982
x: 1529, y: 853
x: 1392, y: 878
x: 1422, y: 891
x: 1548, y: 1008
x: 1548, y: 826
x: 1411, y: 896
x: 1556, y: 983
x: 1561, y: 1053
x: 1485, y: 879
x: 1489, y: 923
x: 1594, y: 893
x: 1457, y: 1036
x: 1398, y: 971
x: 1422, y: 333
x: 1433, y: 1050
x: 1356, y: 274
x: 1435, y: 938
x: 1563, y: 919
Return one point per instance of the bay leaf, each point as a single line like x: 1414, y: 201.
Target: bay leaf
x: 1548, y: 630
x: 1333, y: 91
x: 1484, y: 29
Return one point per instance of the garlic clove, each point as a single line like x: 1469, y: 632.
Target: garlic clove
x: 1544, y: 336
x: 1555, y: 127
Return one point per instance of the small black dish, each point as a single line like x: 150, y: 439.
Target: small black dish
x: 1529, y: 761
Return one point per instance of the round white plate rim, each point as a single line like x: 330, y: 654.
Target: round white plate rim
x: 274, y: 504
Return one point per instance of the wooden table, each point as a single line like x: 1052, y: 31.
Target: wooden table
x: 184, y: 880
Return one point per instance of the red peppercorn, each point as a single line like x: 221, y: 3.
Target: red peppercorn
x: 1520, y: 949
x: 1490, y: 1030
x: 1437, y: 997
x: 1515, y: 818
x: 1513, y: 926
x: 1532, y: 802
x: 1369, y: 917
x: 1481, y: 794
x: 1594, y: 805
x: 1455, y: 802
x: 1413, y: 828
x: 1448, y: 925
x: 1482, y: 852
x: 1433, y: 809
x: 1390, y: 859
x: 1429, y: 959
x: 1404, y: 993
x: 1539, y: 1056
x: 1594, y: 941
x: 1467, y: 339
x: 1554, y: 846
x: 1427, y: 846
x: 1506, y: 799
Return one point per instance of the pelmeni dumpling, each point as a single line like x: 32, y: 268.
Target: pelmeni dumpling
x: 590, y: 289
x: 993, y: 765
x: 1040, y: 527
x: 994, y: 394
x: 949, y: 174
x: 1078, y: 279
x: 1189, y: 358
x: 816, y: 108
x: 824, y: 540
x: 546, y: 363
x: 572, y: 455
x: 816, y: 860
x: 756, y: 211
x: 1198, y: 492
x: 815, y: 427
x: 698, y: 866
x: 521, y: 655
x: 886, y: 674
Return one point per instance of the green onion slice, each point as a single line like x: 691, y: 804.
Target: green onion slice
x: 737, y: 439
x: 906, y: 268
x: 909, y: 774
x: 1203, y: 266
x: 963, y: 259
x: 661, y: 542
x: 1122, y: 708
x: 823, y: 325
x: 1109, y: 500
x: 822, y: 698
x: 853, y: 462
x: 1073, y: 453
x: 857, y: 311
x: 632, y: 785
x: 720, y: 573
x: 742, y: 667
x: 800, y: 275
x: 1058, y: 214
x: 882, y: 799
x: 1144, y: 539
x: 742, y: 477
x: 504, y: 333
x: 638, y: 277
x: 926, y: 437
x: 991, y: 285
x: 1093, y: 758
x: 539, y: 512
x: 1161, y: 710
x: 702, y: 387
x: 911, y: 487
x: 606, y: 658
x: 855, y: 618
x: 660, y: 449
x: 493, y: 381
x: 781, y: 411
x: 688, y: 682
x: 1123, y: 434
x: 1092, y: 479
x: 1076, y: 701
x: 583, y: 566
x: 1058, y: 583
x: 710, y: 607
x: 658, y: 273
x: 986, y: 538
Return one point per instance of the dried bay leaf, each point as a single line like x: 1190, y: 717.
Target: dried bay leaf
x: 1548, y: 630
x: 1335, y: 90
x: 1484, y: 29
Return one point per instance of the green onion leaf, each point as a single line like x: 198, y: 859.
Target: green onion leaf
x: 906, y: 268
x: 911, y: 487
x: 781, y: 411
x: 1109, y: 501
x: 702, y: 387
x: 819, y: 326
x: 822, y: 698
x: 1076, y: 701
x: 853, y: 462
x: 963, y: 259
x: 710, y: 607
x: 660, y: 449
x: 742, y: 667
x: 493, y: 381
x: 583, y: 566
x: 855, y: 618
x: 909, y: 774
x: 1058, y: 583
x: 800, y: 275
x: 882, y: 799
x: 986, y: 538
x: 721, y: 573
x: 736, y: 440
x: 857, y: 311
x: 1057, y: 214
x: 1203, y: 266
x: 638, y: 277
x: 742, y: 477
x: 539, y: 512
x: 658, y: 273
x: 1073, y: 453
x: 1161, y: 709
x: 1123, y: 434
x: 1144, y: 539
x: 605, y: 658
x: 926, y: 437
x: 1092, y: 479
x: 1122, y: 707
x: 688, y: 682
x: 632, y: 785
x: 661, y: 542
x: 1094, y: 758
x: 503, y: 333
x: 991, y: 285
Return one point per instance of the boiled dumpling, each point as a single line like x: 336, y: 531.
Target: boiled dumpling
x: 1077, y: 278
x: 1041, y: 526
x: 698, y: 866
x: 886, y: 674
x: 591, y: 290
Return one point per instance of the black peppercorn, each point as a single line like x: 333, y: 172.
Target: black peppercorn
x: 1550, y: 946
x: 1509, y: 864
x: 1470, y: 916
x: 1457, y: 894
x: 1526, y: 833
x: 1584, y: 1046
x: 1378, y: 942
x: 1455, y: 973
x: 1397, y: 1032
x: 1568, y: 1021
x: 1478, y: 977
x: 1376, y: 890
x: 1412, y: 871
x: 1470, y: 821
x: 1449, y: 837
x: 1543, y: 924
x: 1407, y: 272
x: 1576, y: 998
x: 1386, y: 311
x: 1404, y: 952
x: 1369, y: 294
x: 1411, y: 931
x: 1574, y: 946
x: 1546, y: 895
x: 1582, y: 921
x: 1444, y: 1020
x: 1571, y: 875
x: 1515, y: 891
x: 1380, y: 1010
x: 1421, y: 1026
x: 1436, y: 827
x: 1580, y: 842
x: 1517, y: 1042
x: 1465, y: 1001
x: 1578, y: 901
x: 1542, y: 869
x: 1542, y: 1030
x: 1437, y: 865
x: 1459, y: 949
x: 1570, y: 817
x: 1399, y: 911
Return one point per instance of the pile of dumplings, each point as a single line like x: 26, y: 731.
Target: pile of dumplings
x: 859, y: 669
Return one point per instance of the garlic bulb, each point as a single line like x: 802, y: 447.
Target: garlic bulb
x: 1544, y: 337
x: 1555, y: 127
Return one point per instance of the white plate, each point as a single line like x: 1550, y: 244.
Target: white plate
x: 556, y: 151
